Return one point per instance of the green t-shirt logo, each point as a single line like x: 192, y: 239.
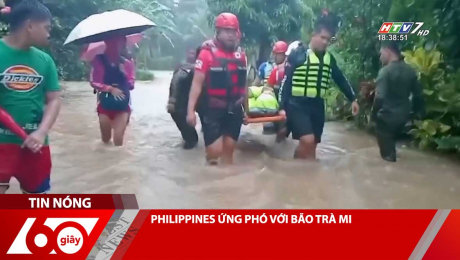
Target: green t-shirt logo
x: 20, y: 78
x: 26, y: 76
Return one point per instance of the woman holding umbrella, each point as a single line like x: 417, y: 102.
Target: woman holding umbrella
x: 113, y: 76
x: 112, y: 73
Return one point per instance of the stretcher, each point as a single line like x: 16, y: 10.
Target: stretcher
x: 265, y: 119
x: 263, y: 111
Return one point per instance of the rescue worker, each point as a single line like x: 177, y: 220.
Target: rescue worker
x: 266, y: 68
x: 220, y: 71
x: 274, y: 81
x: 179, y: 92
x: 276, y: 77
x: 396, y: 82
x: 309, y: 70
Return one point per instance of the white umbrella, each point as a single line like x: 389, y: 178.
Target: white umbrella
x: 100, y: 27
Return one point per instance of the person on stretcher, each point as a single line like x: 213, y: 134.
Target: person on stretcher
x: 263, y: 100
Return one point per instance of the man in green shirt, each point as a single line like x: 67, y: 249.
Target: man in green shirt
x: 396, y: 83
x: 29, y: 92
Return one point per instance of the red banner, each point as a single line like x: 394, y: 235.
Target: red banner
x: 364, y: 234
x: 111, y: 227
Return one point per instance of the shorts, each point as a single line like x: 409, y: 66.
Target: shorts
x: 111, y: 113
x: 305, y: 118
x: 32, y: 170
x: 217, y: 123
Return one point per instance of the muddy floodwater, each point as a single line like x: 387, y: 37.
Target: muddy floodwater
x: 152, y: 165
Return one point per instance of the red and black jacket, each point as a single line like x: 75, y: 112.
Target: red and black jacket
x: 226, y: 83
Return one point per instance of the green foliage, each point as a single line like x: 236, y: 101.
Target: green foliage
x: 192, y: 25
x: 263, y: 22
x: 440, y: 86
x: 161, y: 63
x: 337, y: 106
x: 357, y: 42
x: 441, y: 17
x: 449, y: 143
x: 144, y: 75
x: 330, y: 98
x: 179, y: 27
x: 441, y: 89
x: 436, y: 58
x: 446, y: 29
x: 3, y: 29
x: 67, y: 14
x: 182, y: 25
x: 425, y: 62
x: 160, y: 12
x: 427, y: 131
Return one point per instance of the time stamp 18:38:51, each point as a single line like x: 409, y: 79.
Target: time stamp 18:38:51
x: 392, y: 37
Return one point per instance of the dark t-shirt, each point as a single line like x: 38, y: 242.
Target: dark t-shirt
x: 396, y: 83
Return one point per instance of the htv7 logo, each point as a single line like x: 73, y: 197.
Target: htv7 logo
x: 404, y: 28
x: 52, y: 236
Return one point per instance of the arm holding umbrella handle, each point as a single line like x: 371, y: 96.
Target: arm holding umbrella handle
x: 8, y: 121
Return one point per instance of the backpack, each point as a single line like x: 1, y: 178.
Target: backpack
x: 183, y: 76
x: 115, y: 78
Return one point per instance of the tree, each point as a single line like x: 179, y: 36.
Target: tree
x: 158, y: 38
x: 67, y: 14
x: 163, y: 45
x: 441, y: 17
x: 192, y: 23
x: 2, y: 25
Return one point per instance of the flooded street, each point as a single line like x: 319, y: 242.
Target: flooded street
x: 152, y: 164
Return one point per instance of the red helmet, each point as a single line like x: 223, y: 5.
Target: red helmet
x: 280, y: 47
x: 227, y: 20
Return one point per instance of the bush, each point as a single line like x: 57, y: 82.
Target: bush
x: 144, y: 75
x: 161, y: 63
x: 441, y: 129
x: 3, y: 29
x: 71, y: 71
x: 450, y: 143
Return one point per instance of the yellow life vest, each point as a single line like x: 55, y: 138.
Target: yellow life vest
x: 312, y: 78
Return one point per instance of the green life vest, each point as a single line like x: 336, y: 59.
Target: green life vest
x: 312, y: 78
